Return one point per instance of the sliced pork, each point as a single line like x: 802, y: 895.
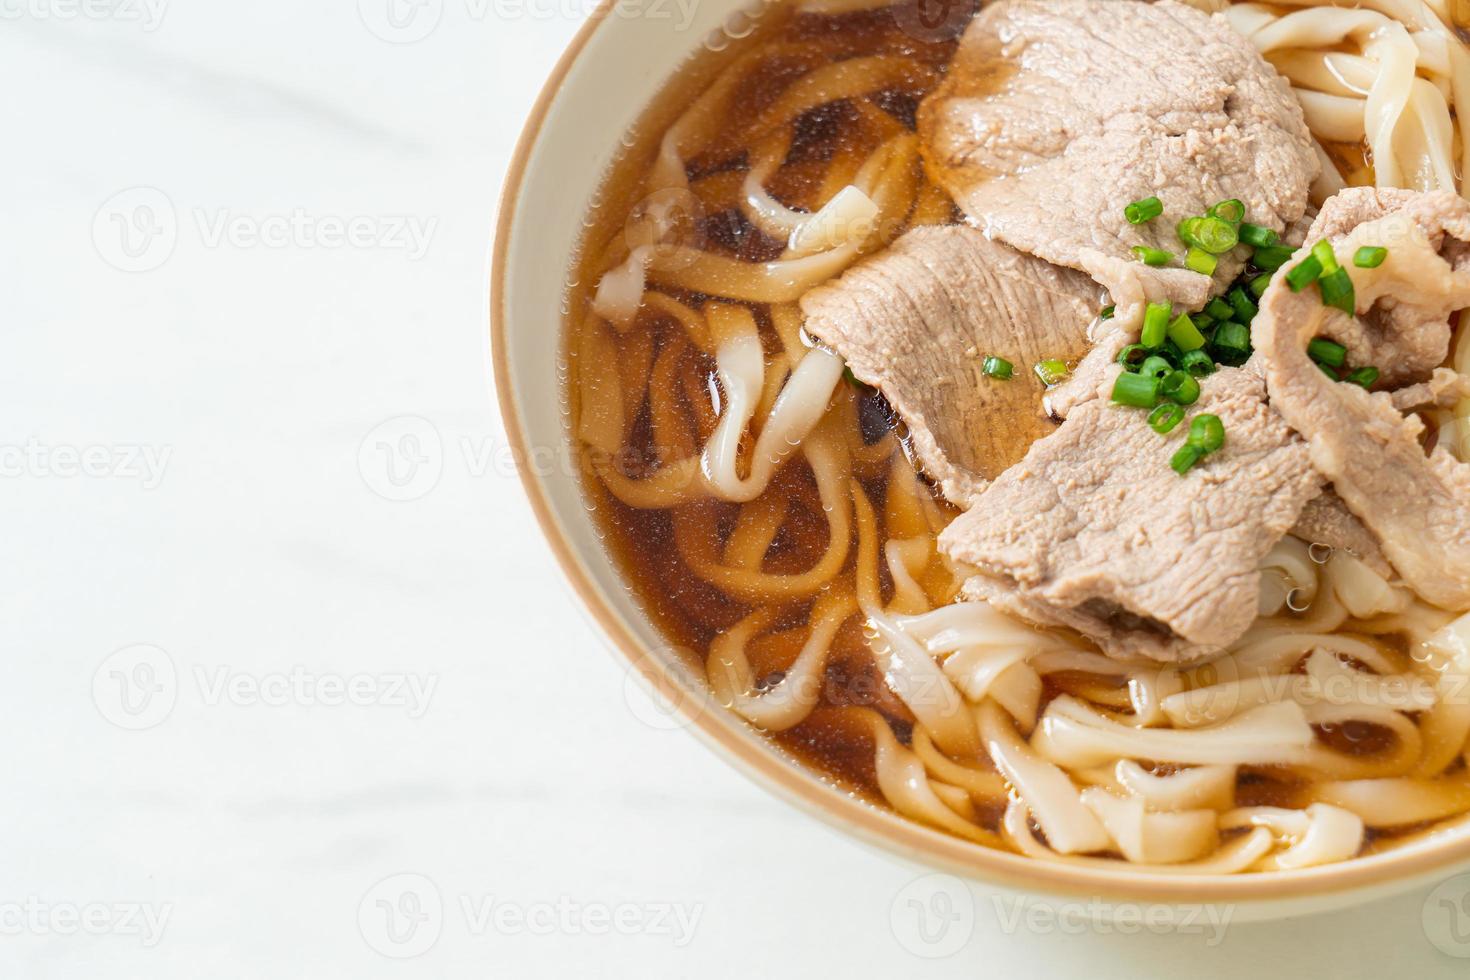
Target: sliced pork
x: 1055, y: 114
x: 1094, y: 531
x: 917, y: 321
x: 1416, y: 504
x: 1326, y: 520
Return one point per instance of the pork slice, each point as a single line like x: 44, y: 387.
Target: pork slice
x: 1417, y: 505
x: 1094, y: 531
x: 1055, y: 114
x: 1406, y: 333
x: 916, y: 322
x: 1326, y: 520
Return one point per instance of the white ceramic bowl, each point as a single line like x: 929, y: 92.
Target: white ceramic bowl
x: 611, y: 72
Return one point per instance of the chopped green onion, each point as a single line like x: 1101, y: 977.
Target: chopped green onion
x: 1206, y: 432
x: 998, y: 368
x: 1307, y: 271
x: 1203, y: 321
x: 1155, y: 367
x: 1337, y: 290
x: 1365, y: 377
x: 852, y: 379
x: 1188, y: 230
x: 1152, y: 256
x: 1137, y: 390
x: 1184, y: 459
x: 1164, y: 417
x: 1370, y: 256
x: 1106, y: 313
x: 1323, y: 252
x: 1184, y: 333
x: 1198, y: 363
x: 1258, y: 237
x: 1155, y: 324
x: 1244, y: 306
x: 1198, y: 260
x: 1145, y: 210
x: 1331, y: 372
x: 1181, y: 387
x: 1231, y: 344
x: 1271, y: 257
x: 1232, y: 211
x: 1051, y: 371
x: 1215, y: 235
x: 1130, y: 356
x: 1219, y: 309
x: 1259, y: 285
x: 1327, y: 352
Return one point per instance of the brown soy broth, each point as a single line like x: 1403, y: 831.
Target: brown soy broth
x: 646, y: 543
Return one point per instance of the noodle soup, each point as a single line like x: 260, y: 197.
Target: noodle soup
x: 775, y: 516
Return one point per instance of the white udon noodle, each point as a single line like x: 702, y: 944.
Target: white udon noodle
x: 986, y: 761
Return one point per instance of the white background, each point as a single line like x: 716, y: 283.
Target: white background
x: 236, y: 399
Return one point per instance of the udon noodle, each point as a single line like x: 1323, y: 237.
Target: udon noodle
x: 771, y: 520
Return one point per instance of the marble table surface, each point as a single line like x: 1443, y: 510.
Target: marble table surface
x: 265, y: 720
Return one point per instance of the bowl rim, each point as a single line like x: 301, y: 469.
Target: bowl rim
x: 764, y: 765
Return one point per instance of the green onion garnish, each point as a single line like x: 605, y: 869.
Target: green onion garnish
x: 1232, y: 211
x: 1184, y: 333
x: 1106, y: 313
x: 1219, y: 309
x: 1198, y: 260
x: 1051, y: 371
x: 1164, y: 417
x: 1307, y: 271
x: 1136, y: 390
x: 1244, y: 306
x: 1152, y: 256
x: 1155, y: 324
x: 1323, y: 252
x: 1258, y: 237
x: 1155, y: 367
x: 1365, y: 377
x: 1327, y: 352
x: 998, y: 368
x: 1259, y: 284
x: 1337, y: 290
x: 1271, y: 257
x: 1215, y: 235
x: 1331, y: 372
x: 1145, y: 210
x: 1180, y: 387
x: 1198, y: 363
x: 1131, y: 355
x: 1231, y: 344
x: 1370, y: 256
x: 1184, y: 458
x: 1206, y: 432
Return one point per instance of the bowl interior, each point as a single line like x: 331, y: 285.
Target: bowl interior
x: 613, y: 71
